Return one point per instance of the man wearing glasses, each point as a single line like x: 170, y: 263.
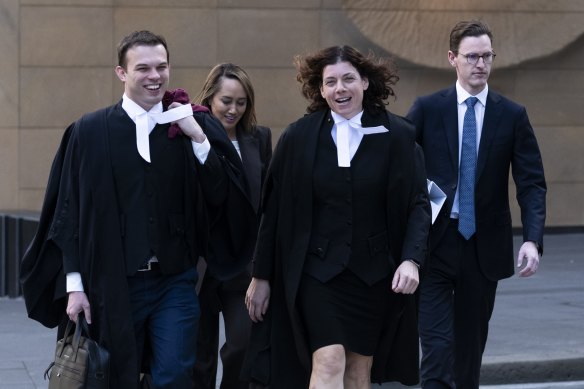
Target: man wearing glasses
x: 471, y: 137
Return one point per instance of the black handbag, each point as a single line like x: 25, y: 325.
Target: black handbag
x: 80, y: 362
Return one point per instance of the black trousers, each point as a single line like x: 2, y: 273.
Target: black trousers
x: 456, y: 304
x: 227, y: 297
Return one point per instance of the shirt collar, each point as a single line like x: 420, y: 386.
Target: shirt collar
x: 338, y: 118
x: 133, y: 109
x: 462, y: 94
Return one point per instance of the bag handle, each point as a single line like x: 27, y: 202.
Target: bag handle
x: 79, y: 327
x: 59, y: 351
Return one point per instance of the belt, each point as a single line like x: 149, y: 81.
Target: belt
x: 150, y: 265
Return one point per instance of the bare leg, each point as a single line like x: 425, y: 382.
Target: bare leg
x: 328, y: 367
x: 357, y: 371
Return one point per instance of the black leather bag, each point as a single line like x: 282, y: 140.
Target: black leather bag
x: 80, y: 362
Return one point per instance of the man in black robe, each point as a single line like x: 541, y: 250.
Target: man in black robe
x: 124, y: 222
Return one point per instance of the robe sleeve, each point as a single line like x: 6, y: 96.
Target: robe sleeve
x: 265, y: 250
x: 41, y: 268
x: 64, y: 229
x: 420, y: 213
x: 212, y: 174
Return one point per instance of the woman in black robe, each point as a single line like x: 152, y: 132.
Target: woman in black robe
x: 343, y: 233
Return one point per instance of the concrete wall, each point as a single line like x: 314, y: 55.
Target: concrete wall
x: 58, y: 56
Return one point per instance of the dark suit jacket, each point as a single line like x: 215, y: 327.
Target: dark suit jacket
x: 507, y: 141
x: 279, y: 352
x: 235, y: 219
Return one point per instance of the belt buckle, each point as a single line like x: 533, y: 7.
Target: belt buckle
x: 146, y: 267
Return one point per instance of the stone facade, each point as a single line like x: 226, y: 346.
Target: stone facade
x: 58, y: 56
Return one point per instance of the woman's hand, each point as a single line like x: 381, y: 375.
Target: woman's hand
x: 406, y: 278
x: 257, y: 299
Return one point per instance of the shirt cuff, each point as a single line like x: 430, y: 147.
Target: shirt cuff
x: 201, y: 150
x: 74, y: 283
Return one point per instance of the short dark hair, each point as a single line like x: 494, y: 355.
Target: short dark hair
x: 139, y: 38
x: 380, y: 72
x: 465, y: 29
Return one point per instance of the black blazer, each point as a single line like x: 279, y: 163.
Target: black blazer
x: 507, y: 141
x: 235, y: 220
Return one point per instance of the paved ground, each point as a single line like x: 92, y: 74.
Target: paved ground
x: 536, y: 337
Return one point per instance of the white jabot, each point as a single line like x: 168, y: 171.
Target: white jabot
x: 147, y: 120
x: 343, y: 150
x: 349, y: 134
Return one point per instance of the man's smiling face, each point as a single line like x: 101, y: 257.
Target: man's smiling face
x: 146, y: 75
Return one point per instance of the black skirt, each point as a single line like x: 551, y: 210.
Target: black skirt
x: 344, y: 310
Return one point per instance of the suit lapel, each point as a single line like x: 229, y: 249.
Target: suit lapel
x: 450, y: 121
x: 490, y: 125
x: 252, y: 166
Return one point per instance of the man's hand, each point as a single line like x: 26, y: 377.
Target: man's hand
x: 189, y: 126
x: 528, y: 252
x: 76, y: 303
x: 257, y: 299
x: 406, y: 278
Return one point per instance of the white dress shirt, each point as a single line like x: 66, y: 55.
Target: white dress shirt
x: 479, y: 108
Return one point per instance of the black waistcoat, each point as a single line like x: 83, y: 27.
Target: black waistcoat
x: 151, y: 198
x: 349, y: 228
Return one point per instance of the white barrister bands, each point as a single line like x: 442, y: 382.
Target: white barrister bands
x: 143, y: 126
x: 348, y: 136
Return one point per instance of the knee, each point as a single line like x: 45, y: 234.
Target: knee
x: 329, y: 361
x: 358, y: 368
x: 441, y: 352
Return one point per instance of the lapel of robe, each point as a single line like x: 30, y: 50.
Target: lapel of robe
x: 252, y: 166
x: 223, y: 147
x: 373, y: 119
x: 493, y: 111
x: 98, y: 156
x: 298, y: 186
x: 450, y: 120
x: 309, y: 138
x: 306, y: 143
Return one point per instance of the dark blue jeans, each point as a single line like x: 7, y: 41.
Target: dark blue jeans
x: 166, y: 312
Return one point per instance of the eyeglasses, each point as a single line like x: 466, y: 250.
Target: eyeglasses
x: 473, y: 58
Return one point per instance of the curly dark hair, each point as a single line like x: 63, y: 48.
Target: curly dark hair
x: 380, y: 71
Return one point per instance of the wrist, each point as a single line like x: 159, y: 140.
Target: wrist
x: 198, y: 137
x: 537, y: 246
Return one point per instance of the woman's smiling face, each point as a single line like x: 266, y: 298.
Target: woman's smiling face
x: 229, y: 103
x: 343, y: 88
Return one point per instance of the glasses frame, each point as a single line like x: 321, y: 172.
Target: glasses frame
x: 468, y: 60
